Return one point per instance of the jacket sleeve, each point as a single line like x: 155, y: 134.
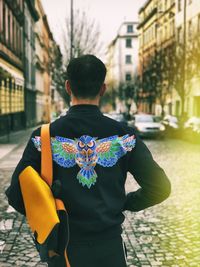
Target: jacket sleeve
x: 154, y: 185
x: 31, y: 157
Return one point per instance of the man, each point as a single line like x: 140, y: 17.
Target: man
x: 91, y: 157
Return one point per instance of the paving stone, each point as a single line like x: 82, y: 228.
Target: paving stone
x: 163, y: 235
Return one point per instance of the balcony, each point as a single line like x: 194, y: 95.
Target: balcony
x: 31, y: 6
x: 153, y: 12
x: 17, y: 11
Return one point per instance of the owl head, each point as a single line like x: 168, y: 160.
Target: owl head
x: 86, y: 142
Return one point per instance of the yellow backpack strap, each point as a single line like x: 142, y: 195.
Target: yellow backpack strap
x: 46, y: 154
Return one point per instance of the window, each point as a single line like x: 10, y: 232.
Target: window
x: 198, y: 23
x: 4, y: 95
x: 159, y: 6
x: 4, y: 21
x: 1, y: 17
x: 167, y: 31
x: 177, y: 108
x: 172, y: 2
x: 166, y: 4
x: 172, y: 27
x: 129, y: 28
x: 21, y: 43
x: 179, y: 5
x: 9, y: 28
x: 128, y: 42
x: 128, y: 59
x: 196, y: 111
x: 13, y: 33
x: 179, y: 35
x: 190, y: 29
x: 128, y: 77
x: 161, y: 35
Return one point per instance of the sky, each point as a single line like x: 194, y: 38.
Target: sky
x: 108, y: 14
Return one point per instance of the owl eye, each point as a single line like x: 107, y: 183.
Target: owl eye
x: 90, y: 144
x: 81, y: 144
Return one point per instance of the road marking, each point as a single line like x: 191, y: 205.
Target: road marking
x: 6, y: 225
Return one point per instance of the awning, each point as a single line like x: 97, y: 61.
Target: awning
x: 12, y: 71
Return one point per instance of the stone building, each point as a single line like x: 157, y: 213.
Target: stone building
x: 156, y: 38
x: 12, y: 111
x: 44, y: 41
x: 30, y: 18
x: 190, y: 23
x: 122, y: 57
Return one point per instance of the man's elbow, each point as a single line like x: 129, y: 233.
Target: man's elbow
x: 164, y: 191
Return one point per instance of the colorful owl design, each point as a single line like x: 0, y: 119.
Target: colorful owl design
x: 88, y: 151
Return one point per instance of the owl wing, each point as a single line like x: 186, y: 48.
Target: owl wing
x: 63, y: 150
x: 36, y: 142
x: 128, y: 142
x: 110, y: 149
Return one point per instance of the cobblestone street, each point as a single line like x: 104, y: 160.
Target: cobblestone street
x: 165, y: 235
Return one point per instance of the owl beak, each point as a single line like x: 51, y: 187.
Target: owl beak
x: 89, y: 152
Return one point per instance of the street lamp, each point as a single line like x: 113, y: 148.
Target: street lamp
x: 72, y: 29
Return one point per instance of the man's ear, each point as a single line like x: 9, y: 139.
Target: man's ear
x: 68, y: 88
x: 103, y: 89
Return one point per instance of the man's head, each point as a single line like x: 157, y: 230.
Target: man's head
x: 86, y: 76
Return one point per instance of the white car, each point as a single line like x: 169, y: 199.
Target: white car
x: 171, y: 121
x: 148, y: 125
x: 193, y: 123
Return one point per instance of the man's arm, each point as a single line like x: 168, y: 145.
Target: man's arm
x: 30, y: 157
x: 155, y: 186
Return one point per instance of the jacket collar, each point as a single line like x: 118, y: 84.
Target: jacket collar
x: 84, y: 108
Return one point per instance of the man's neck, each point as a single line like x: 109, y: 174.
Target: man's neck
x: 76, y: 101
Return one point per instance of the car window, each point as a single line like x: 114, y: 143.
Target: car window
x: 118, y: 117
x: 147, y: 119
x: 156, y: 119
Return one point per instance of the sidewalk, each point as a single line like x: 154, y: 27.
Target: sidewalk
x: 16, y: 139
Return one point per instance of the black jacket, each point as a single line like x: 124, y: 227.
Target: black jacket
x: 96, y: 211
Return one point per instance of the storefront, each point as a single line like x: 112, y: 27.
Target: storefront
x: 11, y: 98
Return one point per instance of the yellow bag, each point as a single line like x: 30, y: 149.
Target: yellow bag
x: 46, y: 215
x: 39, y: 204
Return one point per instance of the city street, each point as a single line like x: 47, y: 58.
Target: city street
x: 164, y: 235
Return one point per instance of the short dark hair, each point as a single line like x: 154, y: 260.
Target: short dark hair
x: 86, y: 75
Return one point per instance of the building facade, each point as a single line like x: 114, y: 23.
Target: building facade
x: 190, y: 24
x: 122, y: 57
x: 169, y: 33
x: 30, y: 18
x: 11, y: 66
x: 44, y: 41
x: 156, y: 42
x: 147, y: 30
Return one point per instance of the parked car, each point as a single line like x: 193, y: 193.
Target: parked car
x: 55, y: 116
x: 118, y: 117
x: 193, y: 123
x: 171, y: 121
x: 148, y: 125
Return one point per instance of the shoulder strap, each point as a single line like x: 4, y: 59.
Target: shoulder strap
x: 46, y: 154
x: 46, y: 161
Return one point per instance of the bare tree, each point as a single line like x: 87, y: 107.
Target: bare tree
x: 177, y: 75
x: 58, y: 72
x: 85, y: 40
x: 86, y: 36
